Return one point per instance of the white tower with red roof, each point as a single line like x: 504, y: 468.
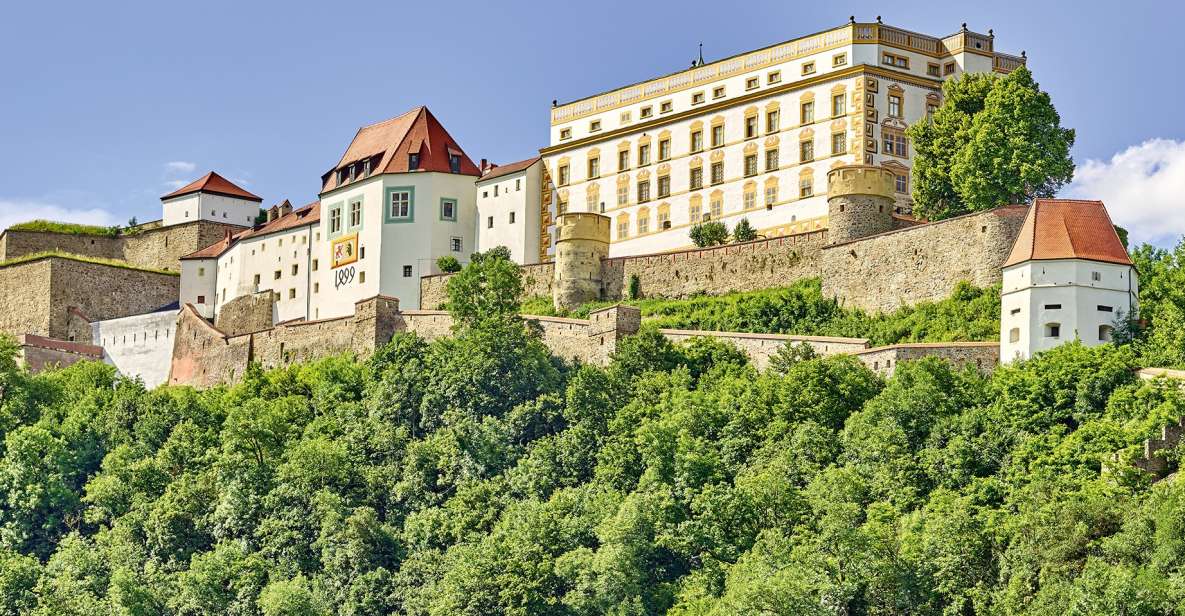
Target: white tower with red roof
x: 210, y: 197
x: 1067, y: 278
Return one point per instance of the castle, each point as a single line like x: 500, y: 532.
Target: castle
x: 197, y: 296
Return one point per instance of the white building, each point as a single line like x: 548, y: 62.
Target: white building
x: 210, y: 197
x: 508, y: 209
x: 1068, y: 277
x: 751, y: 135
x: 400, y: 197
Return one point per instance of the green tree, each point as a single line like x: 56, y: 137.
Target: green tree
x: 448, y: 264
x: 488, y: 288
x: 743, y: 231
x: 994, y: 141
x: 712, y: 233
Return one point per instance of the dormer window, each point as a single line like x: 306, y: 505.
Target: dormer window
x: 366, y: 167
x: 351, y: 168
x: 343, y: 175
x: 454, y: 163
x: 413, y: 161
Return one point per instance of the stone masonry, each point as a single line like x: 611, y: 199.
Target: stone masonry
x: 151, y: 248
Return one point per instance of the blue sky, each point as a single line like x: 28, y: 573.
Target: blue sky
x: 107, y: 106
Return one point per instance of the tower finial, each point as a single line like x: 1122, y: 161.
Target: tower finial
x: 701, y: 53
x: 878, y: 19
x: 851, y: 19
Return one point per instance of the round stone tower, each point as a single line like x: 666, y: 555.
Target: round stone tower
x: 859, y: 202
x: 582, y: 240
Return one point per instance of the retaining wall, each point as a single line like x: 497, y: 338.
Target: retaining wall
x: 153, y: 248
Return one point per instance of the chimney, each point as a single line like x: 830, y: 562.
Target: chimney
x: 285, y: 208
x: 273, y: 213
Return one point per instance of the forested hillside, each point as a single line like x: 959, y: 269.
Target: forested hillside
x: 477, y: 475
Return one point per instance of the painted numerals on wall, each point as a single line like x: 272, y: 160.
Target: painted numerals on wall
x: 343, y: 276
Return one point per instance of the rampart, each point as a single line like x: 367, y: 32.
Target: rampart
x: 537, y: 282
x: 141, y: 344
x: 39, y: 353
x: 921, y: 263
x: 36, y: 296
x: 984, y: 356
x: 149, y: 247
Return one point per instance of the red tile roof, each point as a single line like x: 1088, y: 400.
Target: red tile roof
x: 307, y: 215
x: 387, y: 145
x: 212, y: 183
x: 508, y: 168
x: 1068, y: 229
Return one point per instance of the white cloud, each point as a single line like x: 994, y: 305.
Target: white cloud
x: 175, y: 184
x: 180, y: 166
x: 13, y: 211
x: 1143, y: 187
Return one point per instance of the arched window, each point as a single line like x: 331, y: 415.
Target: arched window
x: 1053, y: 330
x: 1106, y: 333
x: 623, y: 226
x: 1014, y: 335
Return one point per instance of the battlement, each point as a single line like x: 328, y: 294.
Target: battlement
x: 861, y: 180
x: 587, y: 226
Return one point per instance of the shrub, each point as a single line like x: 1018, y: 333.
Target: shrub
x: 712, y: 233
x: 744, y: 232
x: 448, y: 264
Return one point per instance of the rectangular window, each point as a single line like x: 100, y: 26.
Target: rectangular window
x: 697, y: 141
x: 771, y: 160
x: 806, y: 151
x: 565, y: 133
x: 771, y: 121
x: 665, y: 107
x: 774, y: 77
x: 623, y: 229
x: 718, y: 172
x: 400, y: 204
x: 901, y: 183
x: 771, y: 196
x: 276, y: 275
x: 717, y: 136
x: 201, y: 271
x: 518, y: 184
x: 697, y: 178
x: 838, y: 105
x: 750, y: 127
x: 718, y: 92
x: 749, y: 200
x: 257, y: 281
x: 717, y: 206
x: 335, y: 220
x: 933, y: 70
x: 806, y: 187
x: 1106, y: 309
x: 644, y: 154
x: 664, y: 219
x: 948, y: 68
x: 808, y: 68
x: 643, y: 191
x: 454, y: 163
x: 625, y: 117
x: 645, y: 112
x: 1096, y: 276
x: 489, y: 222
x: 594, y: 126
x: 407, y: 271
x: 291, y: 293
x: 643, y: 225
x: 623, y: 160
x: 839, y: 59
x: 201, y: 299
x: 295, y: 269
x: 448, y: 209
x: 752, y: 83
x: 455, y: 244
x: 894, y: 106
x: 808, y: 112
x: 562, y: 176
x: 895, y: 60
x: 623, y: 194
x: 895, y: 143
x: 413, y: 161
x: 1053, y: 306
x: 696, y: 99
x: 664, y: 185
x: 839, y: 143
x: 750, y: 164
x: 664, y: 149
x: 594, y: 167
x: 496, y: 187
x: 512, y: 218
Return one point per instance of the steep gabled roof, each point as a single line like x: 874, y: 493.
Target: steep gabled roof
x: 1068, y: 229
x: 387, y: 145
x: 307, y: 215
x: 508, y: 168
x: 215, y: 184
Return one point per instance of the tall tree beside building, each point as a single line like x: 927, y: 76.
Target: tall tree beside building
x: 994, y: 141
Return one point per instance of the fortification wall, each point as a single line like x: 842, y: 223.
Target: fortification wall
x: 247, y: 313
x: 984, y: 356
x: 721, y: 269
x: 204, y: 356
x: 152, y: 248
x: 25, y: 291
x: 922, y: 263
x: 38, y: 353
x: 760, y: 347
x: 139, y: 345
x: 102, y: 292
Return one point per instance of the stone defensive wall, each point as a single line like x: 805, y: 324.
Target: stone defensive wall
x: 537, y: 281
x: 204, y: 355
x: 921, y: 263
x: 39, y: 353
x: 37, y: 296
x: 151, y: 247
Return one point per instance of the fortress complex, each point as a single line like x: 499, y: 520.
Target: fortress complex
x: 805, y: 139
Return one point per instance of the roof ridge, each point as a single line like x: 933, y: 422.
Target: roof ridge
x: 381, y: 122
